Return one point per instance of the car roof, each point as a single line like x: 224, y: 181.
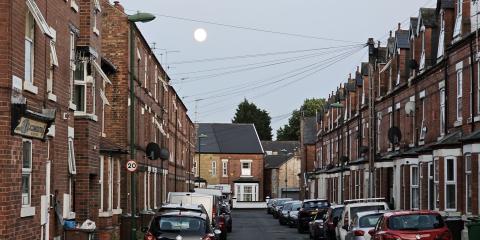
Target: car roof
x: 182, y: 206
x: 337, y: 206
x: 366, y: 204
x: 363, y: 214
x: 182, y: 213
x: 315, y: 200
x: 403, y: 212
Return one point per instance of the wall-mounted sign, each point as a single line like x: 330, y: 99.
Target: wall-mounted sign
x: 31, y: 128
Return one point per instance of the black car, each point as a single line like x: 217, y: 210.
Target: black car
x: 309, y: 210
x: 278, y: 205
x: 187, y: 225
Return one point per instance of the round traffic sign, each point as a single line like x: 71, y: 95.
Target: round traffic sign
x: 132, y: 166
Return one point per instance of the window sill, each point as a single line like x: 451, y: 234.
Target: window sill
x: 104, y: 135
x: 52, y: 97
x: 96, y: 31
x: 84, y: 115
x: 105, y: 214
x: 74, y: 5
x: 476, y: 119
x: 457, y: 123
x: 117, y: 211
x: 72, y: 106
x: 29, y: 87
x: 27, y: 211
x: 247, y: 176
x: 421, y: 142
x: 441, y: 137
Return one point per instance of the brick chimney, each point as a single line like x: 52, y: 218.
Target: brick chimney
x: 118, y: 6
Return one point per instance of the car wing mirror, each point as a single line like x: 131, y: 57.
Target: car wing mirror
x: 144, y: 229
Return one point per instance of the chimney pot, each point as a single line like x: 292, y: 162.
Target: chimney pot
x: 118, y: 6
x: 390, y: 34
x: 358, y: 69
x: 399, y: 26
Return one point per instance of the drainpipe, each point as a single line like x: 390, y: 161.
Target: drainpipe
x: 472, y: 60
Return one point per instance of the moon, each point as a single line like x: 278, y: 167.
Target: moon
x: 200, y: 35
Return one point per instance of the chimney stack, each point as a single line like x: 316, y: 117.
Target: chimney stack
x: 118, y: 6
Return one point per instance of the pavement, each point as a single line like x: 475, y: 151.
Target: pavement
x: 257, y: 224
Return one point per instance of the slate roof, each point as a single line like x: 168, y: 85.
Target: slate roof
x: 277, y: 146
x: 445, y: 4
x: 358, y: 78
x: 402, y: 39
x: 450, y: 139
x: 275, y: 161
x: 427, y: 17
x: 475, y: 136
x: 309, y: 130
x: 228, y: 138
x: 364, y: 68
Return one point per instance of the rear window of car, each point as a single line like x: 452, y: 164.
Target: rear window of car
x: 310, y: 205
x: 337, y: 212
x: 369, y: 221
x: 179, y: 224
x: 355, y: 210
x: 296, y: 206
x: 415, y: 222
x: 281, y: 202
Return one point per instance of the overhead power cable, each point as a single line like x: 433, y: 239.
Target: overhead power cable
x: 298, y: 35
x: 261, y: 54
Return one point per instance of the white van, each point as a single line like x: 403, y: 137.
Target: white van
x: 353, y: 207
x: 208, y: 201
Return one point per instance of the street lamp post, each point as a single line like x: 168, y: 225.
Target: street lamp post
x: 132, y: 19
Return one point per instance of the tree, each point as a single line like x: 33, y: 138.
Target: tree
x: 249, y: 113
x: 291, y: 131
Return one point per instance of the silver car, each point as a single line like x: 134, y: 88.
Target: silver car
x: 362, y: 223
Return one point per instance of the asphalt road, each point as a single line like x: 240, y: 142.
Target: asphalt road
x: 257, y: 224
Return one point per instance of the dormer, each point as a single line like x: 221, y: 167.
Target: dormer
x: 402, y: 47
x: 426, y: 32
x: 446, y: 22
x: 365, y: 83
x: 462, y: 18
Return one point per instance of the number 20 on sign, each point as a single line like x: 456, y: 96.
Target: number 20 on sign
x: 131, y: 166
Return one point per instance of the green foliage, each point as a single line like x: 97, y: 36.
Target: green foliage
x: 291, y: 131
x: 249, y: 113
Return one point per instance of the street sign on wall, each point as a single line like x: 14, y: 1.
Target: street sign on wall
x: 132, y: 166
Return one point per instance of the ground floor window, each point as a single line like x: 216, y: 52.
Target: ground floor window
x: 414, y: 188
x: 246, y: 192
x: 450, y: 184
x: 468, y: 183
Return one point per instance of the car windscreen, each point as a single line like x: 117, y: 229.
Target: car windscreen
x: 355, y: 210
x: 281, y: 202
x: 179, y: 224
x: 415, y: 222
x: 296, y: 206
x: 311, y: 205
x: 369, y: 221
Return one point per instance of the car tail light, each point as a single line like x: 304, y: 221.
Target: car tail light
x: 149, y: 236
x: 447, y: 235
x: 391, y: 237
x: 358, y: 233
x: 209, y: 237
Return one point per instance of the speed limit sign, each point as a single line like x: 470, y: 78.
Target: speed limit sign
x: 131, y: 166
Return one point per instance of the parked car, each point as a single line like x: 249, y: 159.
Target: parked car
x: 352, y: 207
x: 270, y: 203
x: 278, y: 205
x: 362, y: 223
x: 309, y: 210
x: 331, y: 220
x: 187, y: 225
x: 227, y: 214
x: 182, y: 207
x: 292, y: 219
x: 316, y: 227
x: 283, y: 218
x: 411, y: 225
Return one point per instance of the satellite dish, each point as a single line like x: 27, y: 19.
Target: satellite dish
x: 164, y: 154
x: 410, y: 108
x: 153, y: 151
x: 394, y: 135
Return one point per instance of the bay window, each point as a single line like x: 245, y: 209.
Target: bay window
x: 246, y: 192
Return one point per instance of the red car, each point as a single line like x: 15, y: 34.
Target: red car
x: 403, y: 225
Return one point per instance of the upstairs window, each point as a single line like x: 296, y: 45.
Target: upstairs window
x: 224, y: 168
x: 214, y: 168
x: 423, y: 127
x: 459, y: 94
x: 29, y: 47
x: 442, y: 111
x: 450, y: 184
x: 246, y: 168
x: 422, y: 57
x: 441, y: 37
x: 458, y: 20
x: 82, y: 70
x: 26, y: 173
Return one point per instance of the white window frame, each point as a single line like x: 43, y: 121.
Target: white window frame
x: 30, y: 40
x: 423, y: 127
x: 414, y: 187
x: 224, y: 167
x: 436, y: 184
x: 423, y: 56
x: 72, y: 167
x: 145, y: 80
x: 155, y: 205
x: 442, y: 117
x: 27, y: 171
x: 468, y: 188
x: 240, y: 191
x: 379, y: 130
x: 441, y: 38
x: 118, y: 182
x: 72, y: 70
x: 451, y: 182
x: 214, y: 168
x: 102, y: 183
x: 457, y: 31
x: 82, y: 83
x: 246, y: 172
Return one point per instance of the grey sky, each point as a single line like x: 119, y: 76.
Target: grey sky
x: 349, y: 20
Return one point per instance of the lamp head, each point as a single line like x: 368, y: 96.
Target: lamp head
x: 141, y: 17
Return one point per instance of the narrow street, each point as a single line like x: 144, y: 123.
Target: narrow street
x: 256, y: 224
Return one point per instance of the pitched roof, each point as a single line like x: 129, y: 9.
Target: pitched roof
x: 364, y: 68
x: 277, y: 146
x: 413, y: 26
x: 445, y: 4
x: 308, y: 133
x: 402, y: 39
x: 427, y: 17
x: 275, y: 161
x: 228, y: 138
